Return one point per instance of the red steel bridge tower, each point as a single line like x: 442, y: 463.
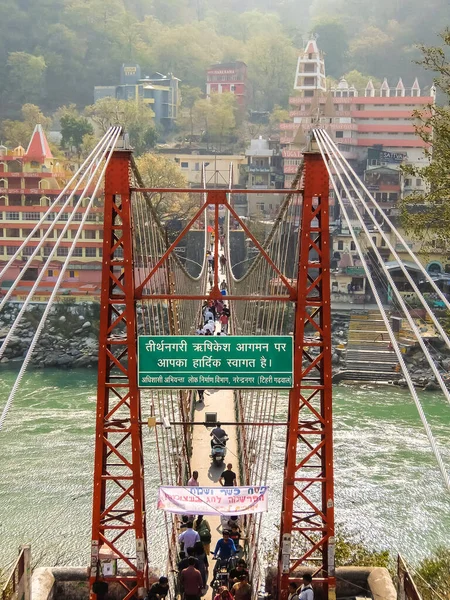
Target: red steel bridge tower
x: 119, y: 515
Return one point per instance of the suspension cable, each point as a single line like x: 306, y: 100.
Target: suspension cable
x: 88, y: 161
x: 55, y: 247
x: 55, y: 222
x: 392, y: 337
x: 117, y: 132
x: 427, y: 276
x: 388, y: 244
x: 388, y: 276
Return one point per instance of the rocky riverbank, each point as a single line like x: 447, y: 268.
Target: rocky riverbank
x: 421, y: 372
x: 69, y: 339
x: 70, y: 336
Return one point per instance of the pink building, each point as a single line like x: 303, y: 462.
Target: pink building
x: 374, y: 117
x: 228, y: 77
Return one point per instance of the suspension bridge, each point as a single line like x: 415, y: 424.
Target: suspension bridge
x: 148, y: 289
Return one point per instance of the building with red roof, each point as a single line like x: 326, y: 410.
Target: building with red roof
x: 30, y: 181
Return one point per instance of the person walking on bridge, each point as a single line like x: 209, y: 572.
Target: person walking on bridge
x: 223, y: 594
x: 306, y: 592
x: 188, y: 537
x: 208, y: 315
x: 242, y: 589
x: 228, y: 477
x: 159, y: 589
x: 224, y: 318
x: 292, y: 593
x: 203, y: 529
x: 223, y: 263
x: 191, y: 581
x: 193, y: 481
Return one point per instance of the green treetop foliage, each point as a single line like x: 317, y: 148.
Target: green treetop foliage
x: 74, y: 128
x: 53, y: 52
x: 190, y: 95
x: 359, y: 81
x: 432, y: 576
x: 333, y: 41
x: 215, y: 118
x: 135, y: 117
x: 271, y: 62
x: 427, y: 216
x: 18, y: 133
x: 159, y: 171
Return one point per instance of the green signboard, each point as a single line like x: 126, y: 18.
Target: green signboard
x: 191, y: 361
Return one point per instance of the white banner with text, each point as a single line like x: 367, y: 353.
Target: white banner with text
x: 244, y: 500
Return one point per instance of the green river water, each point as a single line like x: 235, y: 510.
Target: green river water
x: 389, y: 492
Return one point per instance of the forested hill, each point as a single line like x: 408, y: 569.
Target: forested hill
x: 53, y: 52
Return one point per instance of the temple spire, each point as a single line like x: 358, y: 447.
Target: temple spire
x: 38, y: 148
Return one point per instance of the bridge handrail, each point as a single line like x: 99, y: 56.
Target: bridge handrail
x: 407, y: 589
x: 18, y: 584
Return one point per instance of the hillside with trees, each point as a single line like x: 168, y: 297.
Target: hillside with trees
x: 53, y: 52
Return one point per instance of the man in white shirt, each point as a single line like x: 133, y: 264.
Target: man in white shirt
x: 306, y: 591
x: 207, y: 315
x: 188, y: 537
x: 210, y: 326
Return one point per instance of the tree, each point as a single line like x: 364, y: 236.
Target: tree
x: 350, y: 551
x: 271, y: 62
x: 135, y: 117
x: 158, y: 171
x: 427, y: 216
x: 277, y: 116
x: 189, y: 95
x: 25, y: 78
x: 18, y: 133
x: 333, y: 42
x: 171, y: 11
x: 359, y: 81
x: 222, y: 118
x: 73, y: 130
x: 369, y: 51
x: 216, y: 117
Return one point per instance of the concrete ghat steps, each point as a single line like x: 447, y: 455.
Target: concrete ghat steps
x: 362, y: 366
x: 375, y: 376
x: 368, y: 356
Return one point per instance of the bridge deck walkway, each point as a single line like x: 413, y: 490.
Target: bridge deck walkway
x: 220, y: 402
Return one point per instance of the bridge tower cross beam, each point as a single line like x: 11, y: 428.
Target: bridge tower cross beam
x: 118, y: 515
x: 307, y: 521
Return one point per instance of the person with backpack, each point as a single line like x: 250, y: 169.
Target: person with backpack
x: 203, y: 529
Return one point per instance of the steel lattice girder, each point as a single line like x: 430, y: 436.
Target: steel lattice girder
x: 307, y: 520
x: 118, y: 498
